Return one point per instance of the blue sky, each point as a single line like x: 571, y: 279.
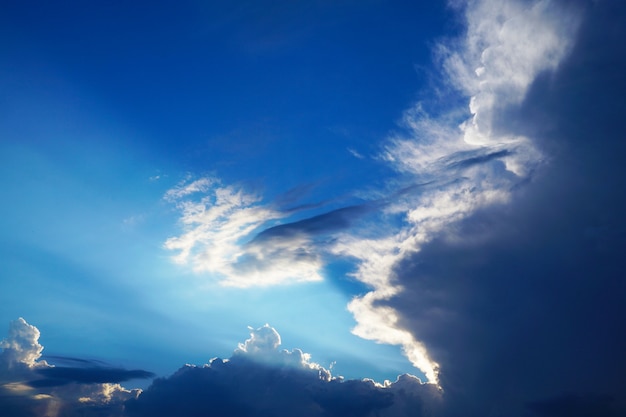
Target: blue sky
x: 394, y: 187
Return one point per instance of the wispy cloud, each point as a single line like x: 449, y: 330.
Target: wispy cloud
x: 355, y: 153
x: 219, y: 234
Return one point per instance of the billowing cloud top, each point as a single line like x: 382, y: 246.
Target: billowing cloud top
x: 32, y: 387
x: 259, y: 379
x: 22, y: 345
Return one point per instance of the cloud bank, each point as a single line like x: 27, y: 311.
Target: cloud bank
x: 32, y: 387
x: 522, y: 304
x: 259, y: 379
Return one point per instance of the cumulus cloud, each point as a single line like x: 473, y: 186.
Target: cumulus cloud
x: 261, y: 379
x: 22, y: 345
x: 32, y: 387
x: 61, y: 375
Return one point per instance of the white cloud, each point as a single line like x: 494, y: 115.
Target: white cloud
x: 263, y: 347
x: 219, y: 228
x: 262, y: 340
x: 22, y: 344
x: 186, y: 188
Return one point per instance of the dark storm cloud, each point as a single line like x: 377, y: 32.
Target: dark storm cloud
x: 334, y: 220
x: 520, y: 304
x: 241, y: 387
x: 574, y: 405
x: 259, y: 379
x: 60, y: 375
x: 72, y: 360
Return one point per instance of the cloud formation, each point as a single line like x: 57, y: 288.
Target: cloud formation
x: 476, y: 163
x: 219, y: 228
x: 21, y: 345
x: 472, y: 162
x: 61, y: 375
x: 261, y: 379
x: 32, y: 387
x: 522, y: 304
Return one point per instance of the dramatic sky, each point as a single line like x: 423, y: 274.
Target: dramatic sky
x: 313, y: 208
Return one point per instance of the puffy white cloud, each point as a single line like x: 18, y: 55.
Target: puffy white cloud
x: 21, y: 345
x: 262, y: 340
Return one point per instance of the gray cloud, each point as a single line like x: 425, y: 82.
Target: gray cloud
x: 61, y: 375
x: 260, y: 379
x: 83, y: 390
x: 522, y: 303
x: 482, y: 158
x: 574, y: 405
